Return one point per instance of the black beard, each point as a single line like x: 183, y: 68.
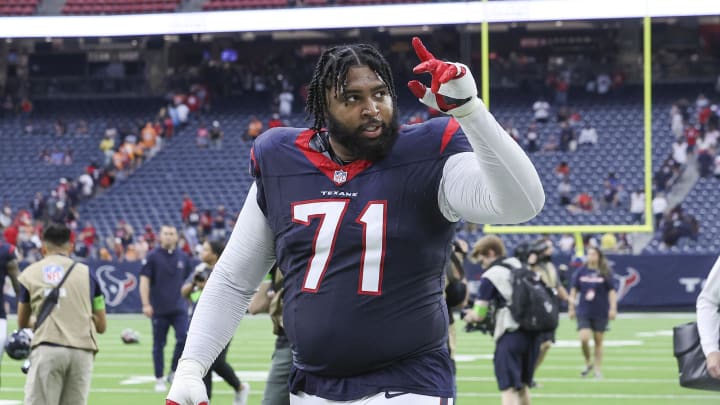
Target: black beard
x: 361, y: 147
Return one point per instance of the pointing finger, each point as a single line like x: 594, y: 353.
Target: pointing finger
x: 422, y: 52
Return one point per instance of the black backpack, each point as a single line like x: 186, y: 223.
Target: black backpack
x: 534, y: 306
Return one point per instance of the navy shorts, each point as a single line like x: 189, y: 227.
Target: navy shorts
x: 547, y: 336
x: 596, y: 324
x: 515, y: 356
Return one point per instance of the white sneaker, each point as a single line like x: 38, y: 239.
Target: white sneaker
x: 241, y: 396
x: 160, y: 385
x: 170, y: 377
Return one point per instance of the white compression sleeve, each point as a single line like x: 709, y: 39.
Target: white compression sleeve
x: 248, y: 256
x: 497, y: 183
x: 708, y: 318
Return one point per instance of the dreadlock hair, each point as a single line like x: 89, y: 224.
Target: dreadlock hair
x: 331, y: 72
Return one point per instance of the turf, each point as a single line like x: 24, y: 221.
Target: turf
x: 639, y: 366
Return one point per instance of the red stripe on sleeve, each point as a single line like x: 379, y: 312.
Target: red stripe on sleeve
x: 450, y: 129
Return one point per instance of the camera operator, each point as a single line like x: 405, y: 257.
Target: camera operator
x: 539, y: 260
x: 192, y: 289
x: 516, y: 350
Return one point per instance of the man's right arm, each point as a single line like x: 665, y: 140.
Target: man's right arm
x: 147, y: 309
x: 708, y: 319
x: 249, y: 255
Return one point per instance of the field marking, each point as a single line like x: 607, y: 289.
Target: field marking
x: 607, y: 343
x: 260, y: 376
x: 584, y: 380
x: 657, y: 333
x: 489, y: 366
x: 536, y: 394
x: 10, y: 402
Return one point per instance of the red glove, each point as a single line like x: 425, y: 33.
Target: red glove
x: 452, y: 89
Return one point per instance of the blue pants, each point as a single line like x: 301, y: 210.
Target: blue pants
x: 160, y: 326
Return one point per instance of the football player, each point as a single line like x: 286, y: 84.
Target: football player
x: 359, y: 214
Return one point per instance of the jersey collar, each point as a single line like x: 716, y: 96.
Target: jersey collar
x: 338, y: 174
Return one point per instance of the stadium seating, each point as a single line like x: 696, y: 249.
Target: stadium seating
x: 153, y: 194
x: 119, y: 6
x: 18, y: 7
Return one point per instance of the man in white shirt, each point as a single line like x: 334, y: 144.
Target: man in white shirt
x: 659, y: 205
x: 708, y: 320
x: 637, y: 205
x: 588, y: 135
x: 285, y: 99
x: 541, y: 109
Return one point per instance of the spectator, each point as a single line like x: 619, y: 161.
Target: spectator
x: 608, y: 242
x: 568, y: 143
x: 680, y: 152
x: 588, y: 135
x: 8, y: 107
x: 532, y: 138
x: 161, y: 278
x: 187, y: 207
x: 416, y: 118
x: 216, y: 135
x: 201, y: 139
x: 562, y: 170
x: 565, y: 192
x: 551, y: 145
x: 219, y: 230
x: 255, y: 127
x: 583, y: 202
x: 603, y: 84
x: 512, y: 131
x: 275, y: 121
x: 285, y: 103
x: 659, y: 205
x: 566, y: 243
x: 541, y: 110
x: 637, y: 205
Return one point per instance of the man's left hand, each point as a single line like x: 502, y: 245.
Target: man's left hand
x: 452, y: 89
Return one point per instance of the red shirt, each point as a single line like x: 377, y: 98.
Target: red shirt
x: 187, y: 208
x: 275, y: 123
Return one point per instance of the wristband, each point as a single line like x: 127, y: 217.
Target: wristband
x: 481, y: 310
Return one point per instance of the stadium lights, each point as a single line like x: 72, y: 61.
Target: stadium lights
x: 348, y: 17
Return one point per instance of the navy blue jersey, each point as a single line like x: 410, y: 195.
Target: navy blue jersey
x: 7, y: 255
x: 362, y: 248
x: 167, y: 271
x: 593, y: 289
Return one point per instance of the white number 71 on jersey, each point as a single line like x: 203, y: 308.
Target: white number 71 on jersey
x: 330, y: 213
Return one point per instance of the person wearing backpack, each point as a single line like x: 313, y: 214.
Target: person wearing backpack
x: 516, y: 349
x: 593, y: 301
x: 539, y: 261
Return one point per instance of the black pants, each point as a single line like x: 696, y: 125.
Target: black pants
x: 224, y: 370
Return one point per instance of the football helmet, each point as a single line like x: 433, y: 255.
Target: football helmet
x: 18, y: 344
x: 130, y: 336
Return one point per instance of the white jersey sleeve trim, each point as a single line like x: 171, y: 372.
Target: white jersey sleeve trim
x: 248, y: 256
x: 496, y: 184
x: 708, y: 318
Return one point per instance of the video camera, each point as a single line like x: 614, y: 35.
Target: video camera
x: 487, y: 325
x: 202, y: 276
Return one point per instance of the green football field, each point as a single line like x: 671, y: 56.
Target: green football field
x: 639, y: 366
